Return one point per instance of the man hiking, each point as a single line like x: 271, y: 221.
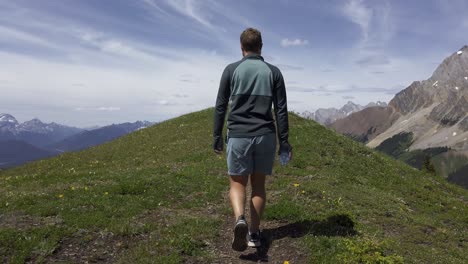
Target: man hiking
x: 251, y: 86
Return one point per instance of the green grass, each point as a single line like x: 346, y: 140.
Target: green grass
x: 162, y: 191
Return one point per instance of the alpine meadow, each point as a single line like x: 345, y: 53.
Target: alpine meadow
x: 133, y: 200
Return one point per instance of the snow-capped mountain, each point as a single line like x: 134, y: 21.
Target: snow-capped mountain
x: 326, y: 116
x: 7, y: 123
x: 34, y: 131
x: 33, y: 139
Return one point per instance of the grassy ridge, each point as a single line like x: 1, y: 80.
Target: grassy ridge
x: 158, y: 195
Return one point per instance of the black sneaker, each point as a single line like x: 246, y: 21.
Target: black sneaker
x: 239, y: 243
x: 255, y: 239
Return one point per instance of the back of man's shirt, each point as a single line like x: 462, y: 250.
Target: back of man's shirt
x: 251, y: 85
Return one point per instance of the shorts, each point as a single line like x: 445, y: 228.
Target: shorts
x: 249, y: 155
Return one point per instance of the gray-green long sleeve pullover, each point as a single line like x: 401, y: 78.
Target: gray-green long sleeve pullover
x: 251, y: 86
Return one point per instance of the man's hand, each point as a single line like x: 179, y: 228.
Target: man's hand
x: 218, y: 145
x: 285, y: 147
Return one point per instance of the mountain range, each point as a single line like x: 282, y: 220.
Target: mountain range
x: 32, y: 140
x: 432, y: 112
x: 86, y: 139
x: 34, y: 131
x: 327, y: 116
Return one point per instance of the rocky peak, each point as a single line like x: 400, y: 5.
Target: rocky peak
x: 7, y: 119
x: 34, y: 125
x: 8, y: 123
x: 411, y: 99
x: 350, y: 107
x: 453, y: 67
x: 447, y: 86
x: 378, y: 103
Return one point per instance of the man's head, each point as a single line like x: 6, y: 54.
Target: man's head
x: 251, y: 41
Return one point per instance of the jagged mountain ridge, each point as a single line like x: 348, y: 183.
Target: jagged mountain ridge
x: 33, y: 140
x: 34, y: 131
x: 327, y: 116
x: 434, y: 110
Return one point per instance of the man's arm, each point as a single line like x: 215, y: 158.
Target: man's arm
x: 281, y: 112
x: 222, y: 101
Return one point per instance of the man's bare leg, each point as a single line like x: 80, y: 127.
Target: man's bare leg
x: 237, y: 194
x: 257, y: 201
x: 237, y: 197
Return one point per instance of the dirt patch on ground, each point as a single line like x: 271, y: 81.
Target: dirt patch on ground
x: 21, y: 221
x: 106, y: 247
x: 92, y: 247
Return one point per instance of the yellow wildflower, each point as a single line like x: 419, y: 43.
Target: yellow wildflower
x: 86, y: 188
x: 60, y: 196
x: 106, y: 193
x: 286, y: 262
x: 72, y: 188
x: 296, y: 184
x: 303, y: 191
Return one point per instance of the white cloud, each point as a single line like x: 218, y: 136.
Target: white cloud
x: 147, y: 80
x: 8, y: 34
x: 101, y: 108
x: 155, y: 6
x: 358, y: 13
x: 198, y: 11
x: 293, y: 42
x: 203, y: 19
x: 108, y: 108
x: 117, y: 70
x: 116, y: 47
x: 377, y: 28
x: 136, y: 87
x: 192, y: 9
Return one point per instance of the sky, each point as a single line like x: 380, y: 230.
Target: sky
x: 86, y: 63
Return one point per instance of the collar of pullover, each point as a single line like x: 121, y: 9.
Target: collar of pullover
x: 253, y: 56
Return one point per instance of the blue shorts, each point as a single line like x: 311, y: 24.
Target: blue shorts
x: 249, y: 155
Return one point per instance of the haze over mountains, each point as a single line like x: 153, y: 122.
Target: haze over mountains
x: 32, y: 140
x: 327, y: 116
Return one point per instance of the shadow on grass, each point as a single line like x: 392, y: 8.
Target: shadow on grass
x: 336, y: 225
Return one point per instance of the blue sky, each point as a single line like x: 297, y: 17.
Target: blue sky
x: 88, y: 63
